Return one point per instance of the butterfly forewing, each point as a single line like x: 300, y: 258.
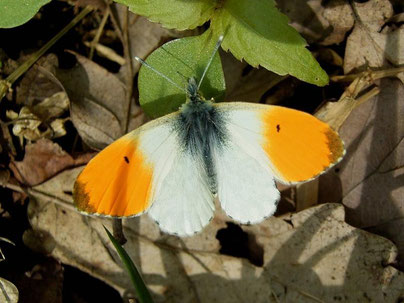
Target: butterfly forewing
x: 295, y: 145
x: 119, y: 180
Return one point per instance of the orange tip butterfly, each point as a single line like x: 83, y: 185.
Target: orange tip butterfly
x: 173, y: 167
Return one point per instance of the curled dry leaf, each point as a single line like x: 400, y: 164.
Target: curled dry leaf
x: 97, y: 103
x: 311, y: 255
x: 28, y: 121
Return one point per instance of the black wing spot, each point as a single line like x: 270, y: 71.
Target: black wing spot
x: 126, y: 159
x: 278, y: 128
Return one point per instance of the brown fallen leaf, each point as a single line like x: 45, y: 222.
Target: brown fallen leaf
x: 38, y: 241
x: 324, y: 22
x: 314, y: 256
x: 371, y: 175
x: 36, y: 85
x: 97, y: 97
x: 42, y: 160
x: 371, y: 43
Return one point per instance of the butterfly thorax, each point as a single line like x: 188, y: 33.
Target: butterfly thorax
x: 201, y: 130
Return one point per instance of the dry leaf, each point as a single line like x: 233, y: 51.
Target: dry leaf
x: 38, y: 241
x: 324, y: 22
x: 370, y: 177
x: 36, y: 85
x: 371, y: 44
x: 4, y: 176
x: 317, y: 256
x: 335, y: 113
x: 27, y: 123
x: 340, y: 18
x: 98, y: 103
x: 43, y: 160
x: 8, y: 291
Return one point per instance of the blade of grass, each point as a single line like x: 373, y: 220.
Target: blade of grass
x: 141, y: 289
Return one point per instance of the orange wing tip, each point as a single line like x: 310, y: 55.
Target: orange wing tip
x: 336, y: 146
x: 299, y: 146
x: 337, y: 153
x: 81, y: 201
x: 81, y: 198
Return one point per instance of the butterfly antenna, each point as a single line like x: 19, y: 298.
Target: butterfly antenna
x: 141, y: 61
x: 218, y: 43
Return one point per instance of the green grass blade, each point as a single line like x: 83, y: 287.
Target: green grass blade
x: 141, y: 289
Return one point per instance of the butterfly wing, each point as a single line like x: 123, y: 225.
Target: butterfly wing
x: 183, y: 203
x: 147, y: 169
x: 118, y: 181
x: 268, y: 143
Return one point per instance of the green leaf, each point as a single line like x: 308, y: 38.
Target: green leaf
x: 16, y: 12
x: 180, y: 60
x: 257, y: 32
x: 141, y: 289
x: 179, y: 14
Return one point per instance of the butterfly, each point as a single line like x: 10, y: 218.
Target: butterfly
x: 174, y: 167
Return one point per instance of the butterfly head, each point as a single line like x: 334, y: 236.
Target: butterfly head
x: 193, y: 94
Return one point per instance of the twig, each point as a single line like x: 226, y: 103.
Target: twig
x: 375, y: 74
x: 129, y: 74
x: 108, y: 53
x: 98, y: 34
x: 33, y: 191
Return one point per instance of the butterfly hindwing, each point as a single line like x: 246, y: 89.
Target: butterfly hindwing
x: 183, y: 203
x: 246, y: 187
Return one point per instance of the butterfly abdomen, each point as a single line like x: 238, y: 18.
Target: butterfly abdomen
x: 201, y: 128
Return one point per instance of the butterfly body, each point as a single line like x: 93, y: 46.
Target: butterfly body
x: 201, y: 129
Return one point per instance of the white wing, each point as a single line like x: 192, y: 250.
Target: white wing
x: 246, y: 186
x: 182, y: 202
